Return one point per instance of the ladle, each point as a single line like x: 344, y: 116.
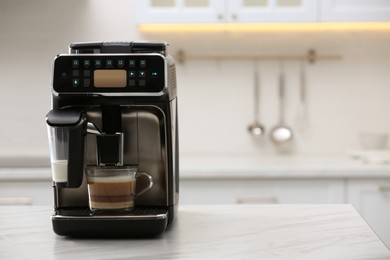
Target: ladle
x: 281, y: 134
x: 256, y: 128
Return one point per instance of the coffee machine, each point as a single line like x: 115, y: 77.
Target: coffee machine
x: 114, y: 104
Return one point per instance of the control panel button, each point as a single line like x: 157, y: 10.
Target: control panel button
x: 75, y: 73
x: 87, y: 73
x: 75, y: 82
x: 75, y: 63
x: 142, y: 74
x: 109, y: 63
x: 120, y: 63
x: 132, y: 64
x: 142, y: 83
x: 142, y: 64
x: 98, y: 63
x: 131, y: 73
x: 87, y: 83
x: 131, y: 82
x: 87, y: 63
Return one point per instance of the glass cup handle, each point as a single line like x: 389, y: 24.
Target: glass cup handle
x: 138, y: 174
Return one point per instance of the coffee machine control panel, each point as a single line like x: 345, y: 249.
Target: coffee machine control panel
x: 100, y: 73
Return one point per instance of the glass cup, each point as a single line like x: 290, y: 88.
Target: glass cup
x: 113, y: 188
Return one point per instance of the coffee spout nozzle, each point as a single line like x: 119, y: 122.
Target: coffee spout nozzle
x: 109, y: 146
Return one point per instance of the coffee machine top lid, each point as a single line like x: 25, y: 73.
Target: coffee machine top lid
x: 118, y: 47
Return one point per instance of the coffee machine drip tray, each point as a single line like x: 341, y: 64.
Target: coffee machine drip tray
x: 138, y: 213
x: 81, y: 222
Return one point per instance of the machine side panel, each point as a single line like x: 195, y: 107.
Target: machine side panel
x: 152, y: 156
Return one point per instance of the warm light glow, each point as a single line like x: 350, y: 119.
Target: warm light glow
x: 256, y: 27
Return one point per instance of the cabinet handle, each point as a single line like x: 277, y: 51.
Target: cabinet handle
x: 234, y: 16
x: 257, y: 200
x: 384, y: 188
x: 220, y: 16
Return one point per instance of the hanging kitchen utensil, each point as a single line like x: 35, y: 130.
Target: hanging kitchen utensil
x: 302, y: 111
x: 256, y: 128
x: 281, y: 134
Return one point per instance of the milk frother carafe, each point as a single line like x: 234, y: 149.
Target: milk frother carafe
x: 114, y: 107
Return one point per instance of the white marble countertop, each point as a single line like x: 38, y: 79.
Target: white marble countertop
x: 206, y: 232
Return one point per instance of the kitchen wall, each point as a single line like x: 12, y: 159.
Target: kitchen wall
x: 345, y: 97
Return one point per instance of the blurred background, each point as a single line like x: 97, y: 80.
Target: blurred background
x: 334, y: 57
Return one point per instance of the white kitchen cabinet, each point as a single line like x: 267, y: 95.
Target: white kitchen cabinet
x: 26, y: 193
x: 212, y: 11
x: 354, y: 10
x: 267, y: 191
x: 372, y: 199
x: 261, y: 11
x: 252, y: 11
x: 179, y: 11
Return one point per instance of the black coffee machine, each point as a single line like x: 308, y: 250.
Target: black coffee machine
x: 114, y: 104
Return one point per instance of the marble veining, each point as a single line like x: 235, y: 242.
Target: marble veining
x: 206, y: 232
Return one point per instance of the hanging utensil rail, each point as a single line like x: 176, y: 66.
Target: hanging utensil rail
x: 311, y: 56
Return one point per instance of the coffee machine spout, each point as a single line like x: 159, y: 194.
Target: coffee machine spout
x: 109, y: 146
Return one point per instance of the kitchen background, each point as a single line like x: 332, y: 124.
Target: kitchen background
x: 345, y: 97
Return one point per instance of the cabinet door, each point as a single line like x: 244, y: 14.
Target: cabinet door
x: 355, y: 10
x: 273, y: 11
x: 179, y: 11
x: 26, y: 193
x: 261, y: 191
x: 372, y: 199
